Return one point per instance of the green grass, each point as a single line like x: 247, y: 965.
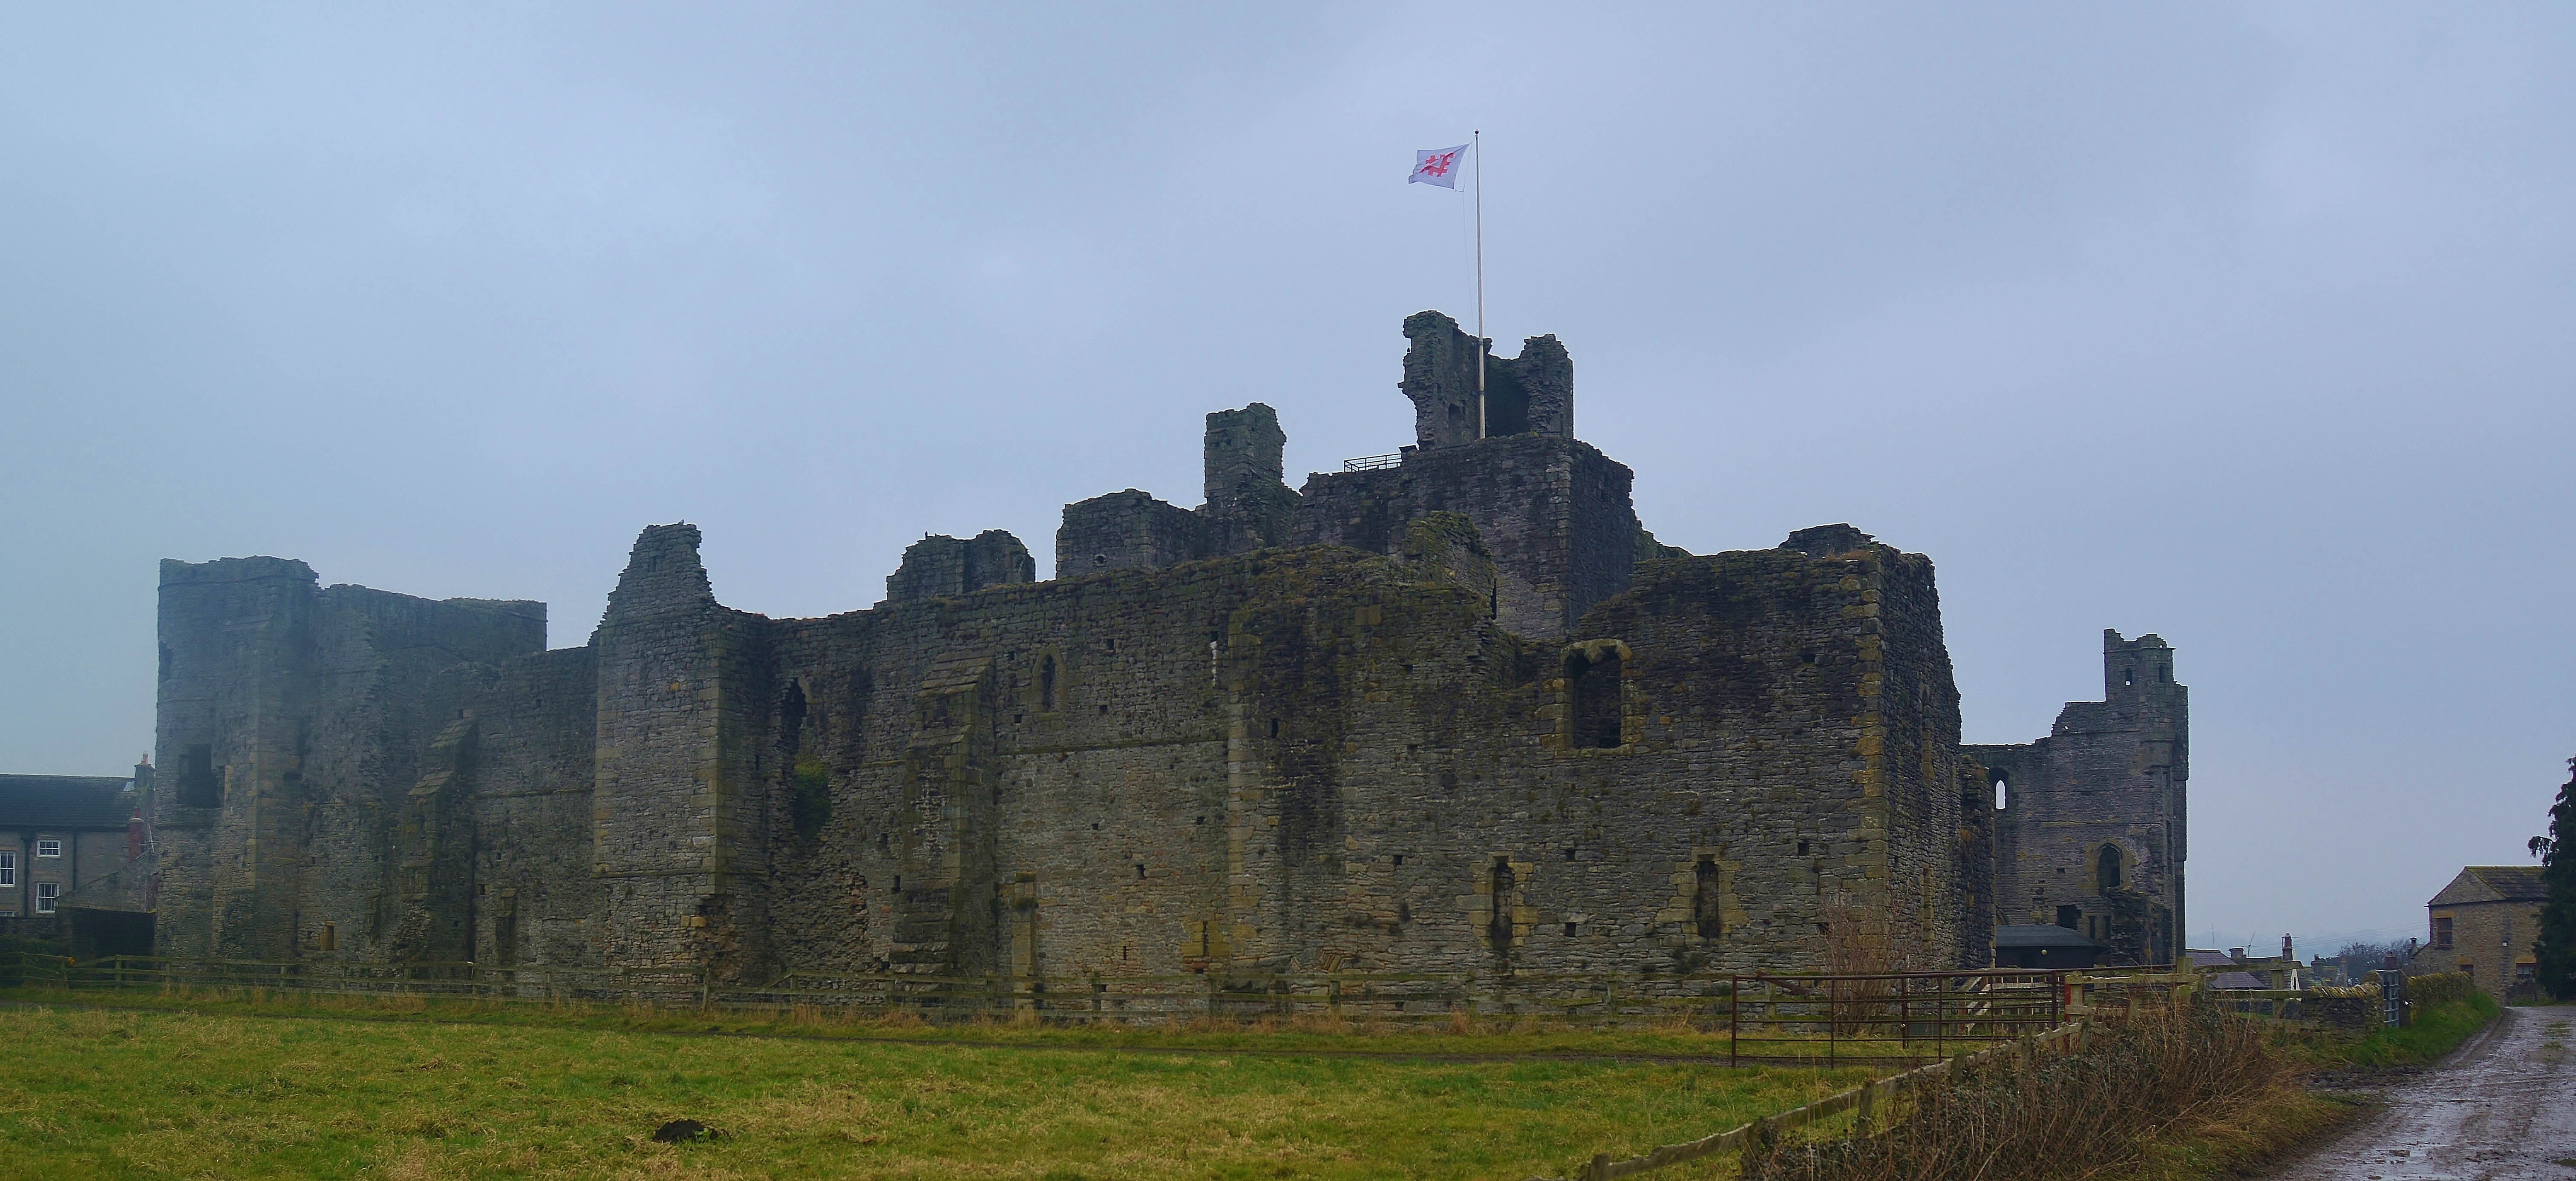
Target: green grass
x: 101, y: 1093
x: 1452, y: 1037
x: 2438, y: 1029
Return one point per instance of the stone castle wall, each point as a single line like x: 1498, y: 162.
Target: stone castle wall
x: 1459, y: 714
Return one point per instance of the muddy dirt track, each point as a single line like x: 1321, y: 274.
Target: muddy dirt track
x: 2501, y: 1107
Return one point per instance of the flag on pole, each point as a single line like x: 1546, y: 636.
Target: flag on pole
x: 1438, y: 167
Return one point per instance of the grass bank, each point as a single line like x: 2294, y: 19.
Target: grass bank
x: 2438, y: 1029
x: 1459, y: 1035
x: 95, y: 1093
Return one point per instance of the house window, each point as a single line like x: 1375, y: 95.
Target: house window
x: 49, y: 848
x: 8, y: 869
x: 45, y: 894
x: 2442, y: 932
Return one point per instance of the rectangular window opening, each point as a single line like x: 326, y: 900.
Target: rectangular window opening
x: 49, y: 848
x: 46, y: 892
x: 1593, y: 683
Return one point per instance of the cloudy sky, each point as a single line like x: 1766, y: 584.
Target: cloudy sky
x: 2246, y: 324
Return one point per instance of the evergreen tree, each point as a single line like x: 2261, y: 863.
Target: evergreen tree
x: 2556, y: 948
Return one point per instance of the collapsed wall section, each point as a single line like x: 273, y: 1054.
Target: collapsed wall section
x: 940, y: 566
x: 1127, y: 530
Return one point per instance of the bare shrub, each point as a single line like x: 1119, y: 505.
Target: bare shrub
x: 2061, y: 1116
x: 1860, y: 940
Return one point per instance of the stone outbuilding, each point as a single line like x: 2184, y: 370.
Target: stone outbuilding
x: 2484, y: 924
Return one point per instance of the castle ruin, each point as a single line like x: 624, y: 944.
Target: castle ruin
x: 1455, y: 710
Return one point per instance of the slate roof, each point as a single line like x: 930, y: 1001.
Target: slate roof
x: 2210, y: 959
x: 2235, y: 980
x: 2040, y: 935
x: 2493, y: 883
x: 62, y: 802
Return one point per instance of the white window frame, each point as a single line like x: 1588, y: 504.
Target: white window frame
x: 9, y: 870
x: 46, y: 893
x: 49, y: 847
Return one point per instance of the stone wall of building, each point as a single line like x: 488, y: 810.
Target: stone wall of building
x: 294, y: 717
x: 1127, y: 530
x: 2093, y: 831
x: 1554, y: 513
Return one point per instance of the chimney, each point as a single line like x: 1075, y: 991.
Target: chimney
x: 2286, y: 953
x: 2237, y: 954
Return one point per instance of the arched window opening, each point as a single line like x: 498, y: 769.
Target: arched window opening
x: 1705, y: 912
x: 1594, y: 683
x: 791, y: 720
x: 2106, y: 868
x: 1046, y: 683
x: 2128, y: 676
x: 2003, y: 792
x: 1501, y: 928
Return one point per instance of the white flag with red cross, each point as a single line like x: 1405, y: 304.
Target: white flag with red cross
x: 1437, y: 167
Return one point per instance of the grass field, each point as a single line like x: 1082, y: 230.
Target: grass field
x: 216, y: 1093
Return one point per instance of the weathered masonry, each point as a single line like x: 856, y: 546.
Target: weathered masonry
x: 1456, y: 711
x: 2090, y: 821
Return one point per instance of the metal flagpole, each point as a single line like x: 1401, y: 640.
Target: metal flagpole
x: 1479, y: 142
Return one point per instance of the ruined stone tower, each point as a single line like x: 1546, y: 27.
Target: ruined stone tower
x: 2090, y: 822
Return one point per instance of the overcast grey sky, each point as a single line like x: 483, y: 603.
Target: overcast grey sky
x: 2246, y: 324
